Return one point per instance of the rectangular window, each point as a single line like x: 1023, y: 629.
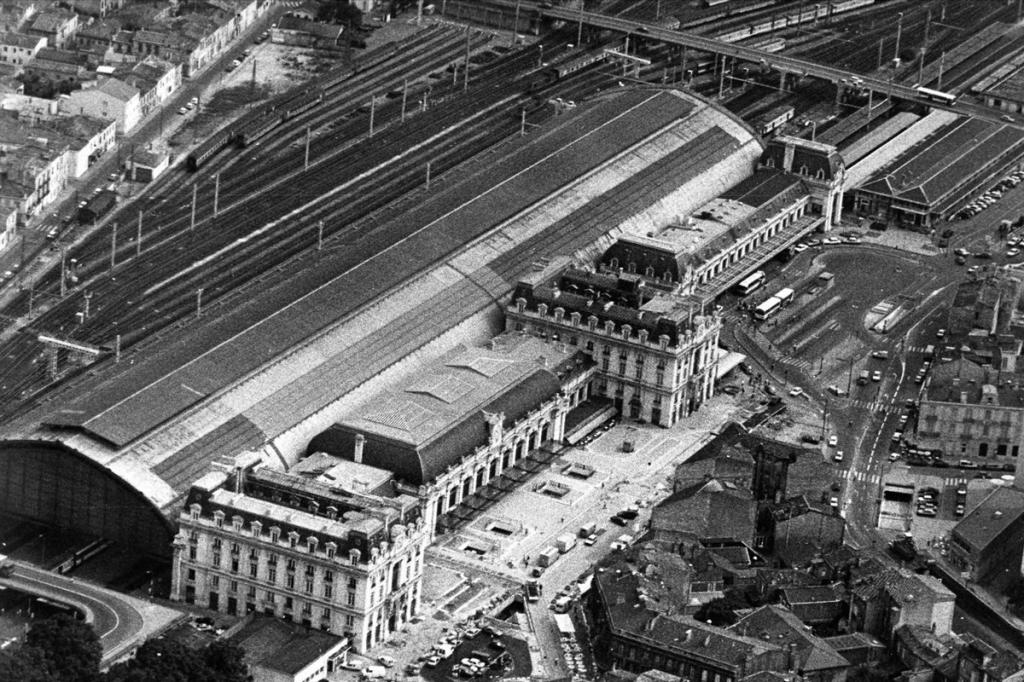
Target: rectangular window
x: 216, y: 560
x: 215, y: 581
x: 234, y: 565
x: 254, y: 569
x: 352, y: 583
x: 326, y: 615
x: 233, y: 586
x: 328, y: 591
x: 290, y: 565
x: 350, y: 621
x: 270, y: 597
x: 328, y: 576
x: 309, y: 586
x: 191, y: 574
x: 350, y: 599
x: 251, y: 592
x: 310, y: 570
x: 289, y: 582
x: 271, y: 574
x: 192, y: 553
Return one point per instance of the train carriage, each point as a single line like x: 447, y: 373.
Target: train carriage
x: 213, y: 144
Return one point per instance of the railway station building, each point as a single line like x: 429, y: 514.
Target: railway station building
x: 920, y: 184
x: 299, y: 352
x: 655, y: 352
x: 308, y: 547
x: 460, y: 424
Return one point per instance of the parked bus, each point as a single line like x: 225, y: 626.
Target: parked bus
x: 785, y: 295
x: 767, y: 309
x: 750, y: 283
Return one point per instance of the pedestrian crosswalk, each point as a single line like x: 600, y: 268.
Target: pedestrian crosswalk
x: 863, y: 476
x: 954, y: 482
x: 876, y: 405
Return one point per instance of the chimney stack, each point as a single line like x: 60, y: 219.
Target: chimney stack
x: 358, y: 453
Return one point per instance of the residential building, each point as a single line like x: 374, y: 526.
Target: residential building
x: 655, y: 350
x: 96, y: 8
x: 923, y: 652
x: 8, y: 226
x: 728, y: 464
x: 155, y: 79
x: 61, y: 75
x: 88, y: 139
x: 302, y: 548
x: 57, y: 26
x: 979, y: 661
x: 986, y: 545
x: 884, y: 601
x: 35, y: 167
x: 14, y: 15
x: 18, y: 49
x: 459, y: 423
x: 627, y: 634
x: 968, y: 411
x: 820, y: 606
x: 109, y: 99
x: 710, y: 509
x: 810, y: 656
x: 279, y: 651
x: 98, y: 35
x: 799, y: 530
x: 30, y: 110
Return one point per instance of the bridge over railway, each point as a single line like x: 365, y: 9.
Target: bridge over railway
x: 780, y: 62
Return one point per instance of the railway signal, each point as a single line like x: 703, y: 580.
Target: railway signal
x: 195, y: 190
x: 138, y: 236
x: 113, y: 244
x: 216, y: 183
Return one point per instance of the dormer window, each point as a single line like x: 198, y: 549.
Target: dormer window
x: 770, y: 162
x: 293, y: 539
x: 803, y: 170
x: 194, y: 511
x: 257, y: 528
x: 236, y: 523
x: 275, y: 533
x: 331, y: 548
x: 311, y: 544
x: 820, y: 174
x: 218, y: 518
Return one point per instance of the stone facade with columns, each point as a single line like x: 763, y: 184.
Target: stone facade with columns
x: 456, y: 425
x: 655, y: 350
x: 302, y: 549
x: 821, y: 168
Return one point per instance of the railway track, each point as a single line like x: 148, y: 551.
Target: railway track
x: 459, y: 130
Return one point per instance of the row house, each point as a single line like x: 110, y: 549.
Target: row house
x: 97, y: 35
x: 18, y: 49
x: 155, y: 79
x: 61, y: 75
x: 14, y: 15
x: 58, y: 27
x: 210, y: 44
x: 88, y: 139
x: 96, y: 8
x: 37, y: 168
x: 8, y: 228
x: 110, y: 99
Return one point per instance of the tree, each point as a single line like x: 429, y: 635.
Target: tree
x: 225, y: 661
x: 161, y: 660
x: 717, y: 612
x: 65, y: 648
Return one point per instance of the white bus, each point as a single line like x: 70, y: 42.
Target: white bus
x: 937, y: 96
x: 785, y: 295
x: 767, y: 309
x: 750, y: 283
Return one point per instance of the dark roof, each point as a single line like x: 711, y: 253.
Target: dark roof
x: 709, y: 509
x: 781, y: 627
x: 985, y: 523
x: 931, y: 172
x: 284, y: 647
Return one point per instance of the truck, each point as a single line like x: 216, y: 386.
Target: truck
x: 565, y: 542
x: 864, y: 377
x: 588, y: 529
x: 547, y: 556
